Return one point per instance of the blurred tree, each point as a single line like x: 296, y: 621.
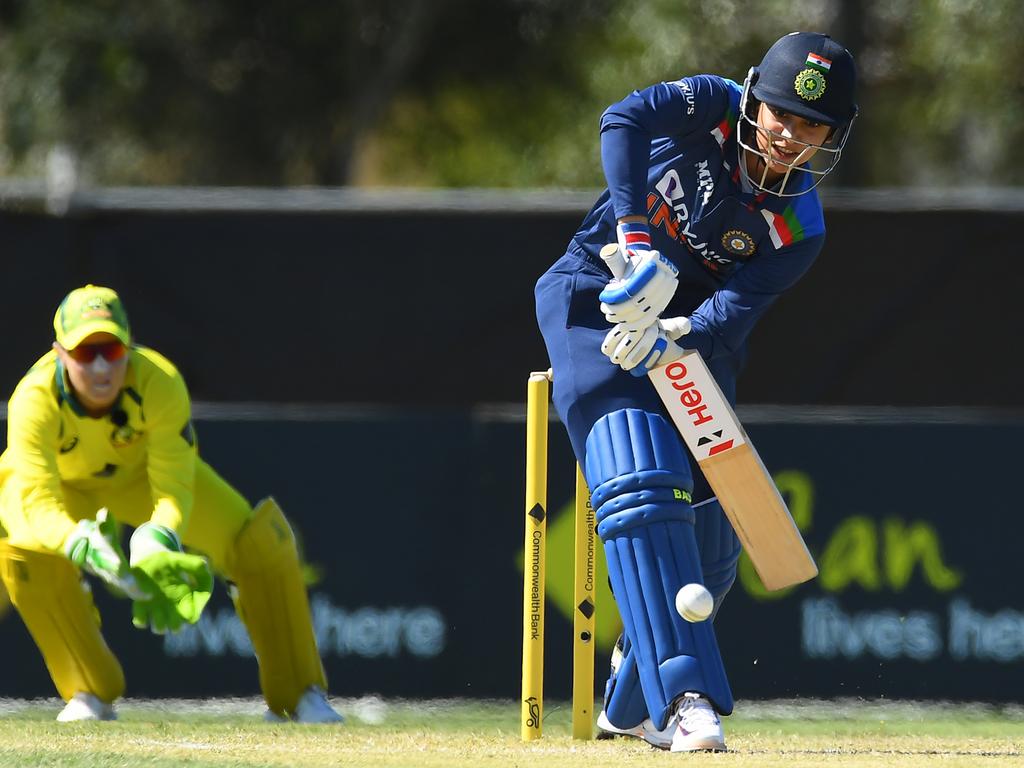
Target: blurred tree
x: 235, y: 92
x: 466, y: 93
x: 942, y: 93
x: 946, y: 99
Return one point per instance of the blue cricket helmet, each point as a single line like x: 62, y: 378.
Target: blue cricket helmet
x: 810, y: 75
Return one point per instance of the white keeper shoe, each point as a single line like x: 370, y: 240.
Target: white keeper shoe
x: 313, y: 707
x: 645, y: 731
x: 697, y: 726
x: 85, y: 706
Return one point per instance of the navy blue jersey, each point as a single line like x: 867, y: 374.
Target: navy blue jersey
x: 670, y: 153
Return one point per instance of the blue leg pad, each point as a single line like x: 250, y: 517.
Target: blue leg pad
x: 719, y: 549
x: 624, y: 704
x: 640, y: 483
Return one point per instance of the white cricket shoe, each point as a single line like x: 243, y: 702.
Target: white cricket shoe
x: 645, y: 731
x: 697, y: 726
x: 313, y: 707
x: 85, y: 706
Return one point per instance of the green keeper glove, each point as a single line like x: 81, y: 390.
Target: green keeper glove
x: 94, y: 547
x: 180, y: 584
x: 154, y: 610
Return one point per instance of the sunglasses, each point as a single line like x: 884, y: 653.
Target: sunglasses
x: 110, y: 351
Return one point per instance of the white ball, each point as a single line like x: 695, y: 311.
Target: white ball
x: 694, y: 602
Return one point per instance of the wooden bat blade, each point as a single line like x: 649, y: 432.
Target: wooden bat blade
x: 734, y: 470
x: 760, y: 517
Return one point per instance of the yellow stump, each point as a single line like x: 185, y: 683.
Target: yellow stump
x: 584, y: 604
x: 537, y: 395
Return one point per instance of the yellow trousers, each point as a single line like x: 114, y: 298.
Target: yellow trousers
x: 254, y: 549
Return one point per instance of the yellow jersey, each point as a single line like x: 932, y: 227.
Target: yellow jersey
x: 52, y: 441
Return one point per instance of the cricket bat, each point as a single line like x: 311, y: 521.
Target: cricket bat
x: 729, y: 461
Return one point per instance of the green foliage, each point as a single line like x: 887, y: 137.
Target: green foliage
x: 951, y: 80
x: 543, y: 132
x: 501, y: 93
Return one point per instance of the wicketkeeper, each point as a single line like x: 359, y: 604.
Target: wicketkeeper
x: 711, y: 192
x: 100, y: 434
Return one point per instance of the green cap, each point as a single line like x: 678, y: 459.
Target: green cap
x: 89, y: 310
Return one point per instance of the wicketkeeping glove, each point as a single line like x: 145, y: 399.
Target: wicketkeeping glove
x: 182, y: 582
x: 93, y: 546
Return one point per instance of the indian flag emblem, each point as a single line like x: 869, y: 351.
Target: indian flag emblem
x: 820, y: 62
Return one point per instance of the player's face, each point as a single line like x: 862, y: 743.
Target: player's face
x: 96, y: 369
x: 787, y: 139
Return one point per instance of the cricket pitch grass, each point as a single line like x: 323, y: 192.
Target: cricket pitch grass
x: 229, y: 733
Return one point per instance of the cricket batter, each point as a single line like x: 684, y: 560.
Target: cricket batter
x: 100, y: 433
x: 711, y: 191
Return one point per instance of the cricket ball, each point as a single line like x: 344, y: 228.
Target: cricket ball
x: 694, y: 602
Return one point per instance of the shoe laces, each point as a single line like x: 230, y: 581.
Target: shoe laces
x: 695, y: 711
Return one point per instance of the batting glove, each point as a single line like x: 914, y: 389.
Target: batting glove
x: 643, y: 293
x: 638, y: 350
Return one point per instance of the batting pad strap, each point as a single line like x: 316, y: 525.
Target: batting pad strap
x: 651, y: 551
x: 641, y: 509
x: 678, y: 483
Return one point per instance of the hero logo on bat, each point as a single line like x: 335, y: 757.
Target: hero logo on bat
x: 709, y: 433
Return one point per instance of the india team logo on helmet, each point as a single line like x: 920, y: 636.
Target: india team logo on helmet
x: 810, y: 84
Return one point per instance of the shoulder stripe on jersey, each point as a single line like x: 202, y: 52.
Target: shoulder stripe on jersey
x: 785, y: 228
x: 724, y: 129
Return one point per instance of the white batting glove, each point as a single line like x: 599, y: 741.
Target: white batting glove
x: 643, y: 293
x: 638, y: 350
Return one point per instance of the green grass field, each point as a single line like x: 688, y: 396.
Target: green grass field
x: 457, y: 734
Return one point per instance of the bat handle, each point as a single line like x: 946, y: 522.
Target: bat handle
x: 615, y: 259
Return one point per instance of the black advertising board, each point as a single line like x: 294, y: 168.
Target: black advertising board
x: 221, y: 291
x: 412, y: 529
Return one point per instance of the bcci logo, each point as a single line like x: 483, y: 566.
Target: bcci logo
x: 737, y: 242
x: 810, y: 84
